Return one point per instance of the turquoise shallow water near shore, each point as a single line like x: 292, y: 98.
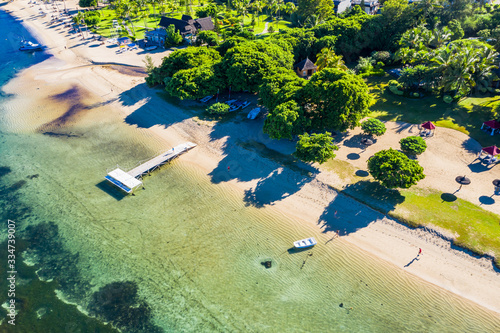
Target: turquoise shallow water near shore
x: 184, y: 254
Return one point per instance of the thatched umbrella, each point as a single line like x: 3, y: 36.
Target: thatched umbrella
x: 462, y: 180
x: 367, y: 142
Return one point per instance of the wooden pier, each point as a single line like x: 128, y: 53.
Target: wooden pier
x: 128, y: 181
x: 161, y: 159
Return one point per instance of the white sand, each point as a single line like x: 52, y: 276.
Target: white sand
x: 451, y: 269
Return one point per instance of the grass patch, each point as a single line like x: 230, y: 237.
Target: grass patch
x: 343, y: 169
x: 472, y: 227
x: 466, y: 116
x: 475, y: 228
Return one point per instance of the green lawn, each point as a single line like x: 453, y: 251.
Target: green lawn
x: 107, y: 16
x: 469, y: 225
x: 466, y: 116
x: 104, y: 28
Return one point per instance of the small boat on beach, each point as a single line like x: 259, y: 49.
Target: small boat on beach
x: 253, y: 114
x: 26, y: 45
x: 245, y: 104
x: 206, y: 99
x: 305, y: 243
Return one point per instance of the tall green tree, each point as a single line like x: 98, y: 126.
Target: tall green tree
x: 195, y: 83
x: 246, y: 64
x: 279, y: 86
x: 187, y: 58
x: 338, y: 99
x: 315, y: 148
x: 394, y: 169
x: 283, y: 121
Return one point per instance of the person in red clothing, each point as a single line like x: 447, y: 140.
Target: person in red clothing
x: 419, y: 251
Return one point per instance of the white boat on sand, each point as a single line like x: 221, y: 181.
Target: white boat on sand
x: 253, y: 114
x: 305, y: 243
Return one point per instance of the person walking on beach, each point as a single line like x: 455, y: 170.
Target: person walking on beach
x: 419, y: 251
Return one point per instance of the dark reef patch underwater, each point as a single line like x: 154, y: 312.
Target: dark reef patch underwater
x: 53, y: 267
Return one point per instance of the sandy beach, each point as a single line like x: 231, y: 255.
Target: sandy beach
x: 450, y: 153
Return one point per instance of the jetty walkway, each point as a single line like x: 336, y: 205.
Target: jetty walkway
x: 128, y: 181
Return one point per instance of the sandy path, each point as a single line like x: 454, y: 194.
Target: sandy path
x: 286, y: 190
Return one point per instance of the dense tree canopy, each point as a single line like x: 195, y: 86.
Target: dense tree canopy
x: 207, y: 37
x: 339, y: 99
x: 87, y: 3
x: 283, y: 121
x: 456, y: 68
x: 195, y: 83
x: 188, y: 58
x: 230, y: 43
x: 315, y: 148
x: 394, y: 169
x: 278, y: 86
x: 246, y: 64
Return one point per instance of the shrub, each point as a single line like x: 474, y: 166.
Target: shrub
x: 447, y: 99
x: 92, y: 18
x: 364, y: 65
x: 218, y: 108
x: 395, y: 90
x: 208, y: 37
x: 373, y: 126
x: 413, y: 145
x: 383, y: 56
x: 394, y: 169
x: 315, y: 148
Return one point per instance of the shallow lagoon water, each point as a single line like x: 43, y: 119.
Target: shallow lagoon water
x: 185, y: 254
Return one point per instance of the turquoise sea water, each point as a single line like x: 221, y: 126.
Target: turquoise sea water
x: 183, y: 255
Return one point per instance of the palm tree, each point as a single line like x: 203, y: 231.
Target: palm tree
x: 241, y: 7
x: 439, y: 37
x: 328, y: 58
x: 482, y: 73
x: 458, y: 76
x: 290, y: 8
x: 258, y: 6
x: 312, y: 21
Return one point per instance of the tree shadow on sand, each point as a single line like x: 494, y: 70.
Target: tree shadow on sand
x: 148, y: 115
x: 277, y: 186
x: 471, y: 146
x: 375, y: 195
x: 344, y: 216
